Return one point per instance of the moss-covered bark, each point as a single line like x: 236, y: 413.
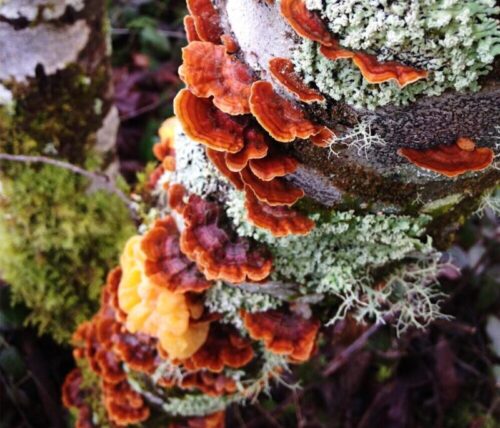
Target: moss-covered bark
x: 59, y: 237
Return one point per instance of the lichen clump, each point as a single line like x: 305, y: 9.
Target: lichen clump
x: 455, y: 40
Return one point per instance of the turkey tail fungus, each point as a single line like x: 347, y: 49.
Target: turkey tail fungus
x: 321, y: 160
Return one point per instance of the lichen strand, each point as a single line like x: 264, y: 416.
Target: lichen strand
x: 338, y: 257
x: 456, y: 41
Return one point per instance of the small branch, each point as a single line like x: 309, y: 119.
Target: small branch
x: 102, y: 180
x: 354, y: 347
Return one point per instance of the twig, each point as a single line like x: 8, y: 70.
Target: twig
x: 354, y: 347
x: 102, y: 180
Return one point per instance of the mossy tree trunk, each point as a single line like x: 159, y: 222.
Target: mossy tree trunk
x: 370, y: 172
x: 56, y: 101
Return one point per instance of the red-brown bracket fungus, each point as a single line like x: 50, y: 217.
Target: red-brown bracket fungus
x: 214, y: 420
x: 275, y: 192
x: 209, y: 71
x: 176, y: 193
x: 123, y: 405
x: 224, y: 348
x: 281, y: 118
x: 282, y: 69
x: 323, y: 138
x: 165, y: 264
x: 334, y: 51
x: 377, y: 72
x: 457, y: 159
x: 255, y: 148
x: 211, y: 384
x: 218, y: 253
x: 306, y: 23
x: 219, y: 160
x: 190, y: 29
x: 230, y: 44
x: 279, y: 220
x: 206, y: 124
x: 283, y: 333
x: 273, y: 165
x: 206, y: 20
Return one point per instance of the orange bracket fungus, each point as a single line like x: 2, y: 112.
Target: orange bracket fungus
x: 224, y: 348
x: 219, y: 160
x: 176, y: 193
x: 205, y: 123
x: 206, y: 20
x: 282, y: 69
x: 208, y: 70
x: 279, y: 220
x: 275, y: 192
x: 123, y: 405
x: 214, y: 420
x: 229, y: 43
x: 283, y: 333
x: 217, y: 252
x: 334, y: 51
x: 306, y: 23
x: 190, y: 29
x: 165, y: 264
x: 255, y: 148
x: 281, y: 118
x: 273, y: 165
x: 377, y: 72
x: 457, y: 159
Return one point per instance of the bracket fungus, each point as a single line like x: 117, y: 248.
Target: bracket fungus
x: 124, y: 405
x: 377, y: 72
x: 283, y: 70
x: 206, y: 20
x: 219, y: 253
x: 154, y: 310
x: 209, y: 71
x: 280, y: 117
x: 279, y: 220
x: 283, y: 333
x: 165, y: 264
x: 206, y: 124
x: 210, y: 383
x: 274, y: 192
x: 255, y: 148
x: 273, y: 165
x: 190, y: 29
x: 306, y: 23
x: 453, y: 160
x: 224, y: 348
x: 219, y: 161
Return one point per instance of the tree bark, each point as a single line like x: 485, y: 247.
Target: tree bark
x: 378, y: 176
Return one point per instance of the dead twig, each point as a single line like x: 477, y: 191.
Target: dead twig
x: 354, y: 347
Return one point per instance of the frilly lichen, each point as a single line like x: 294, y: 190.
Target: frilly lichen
x: 455, y: 40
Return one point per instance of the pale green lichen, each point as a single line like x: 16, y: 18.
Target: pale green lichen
x: 228, y: 300
x: 272, y: 369
x: 455, y: 40
x: 193, y: 170
x: 340, y: 254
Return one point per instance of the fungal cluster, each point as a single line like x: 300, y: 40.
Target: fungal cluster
x: 237, y: 271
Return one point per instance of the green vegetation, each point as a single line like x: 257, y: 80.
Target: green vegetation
x: 59, y: 238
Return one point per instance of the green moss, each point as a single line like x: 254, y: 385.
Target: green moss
x: 58, y: 117
x: 58, y: 242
